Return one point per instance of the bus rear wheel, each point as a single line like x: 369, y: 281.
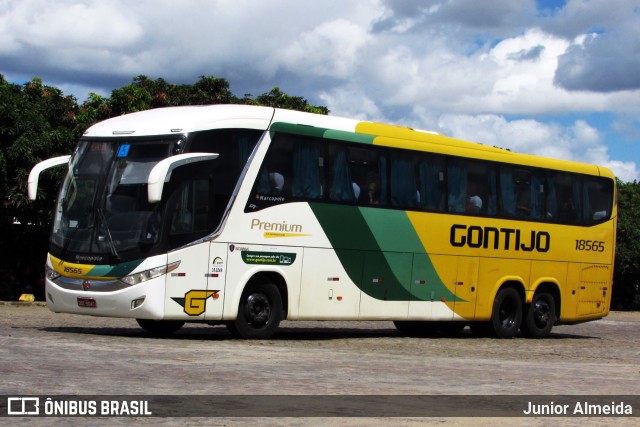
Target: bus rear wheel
x: 160, y: 327
x: 506, y: 316
x: 540, y: 316
x: 259, y: 313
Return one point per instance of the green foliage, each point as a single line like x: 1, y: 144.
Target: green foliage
x: 627, y: 265
x: 278, y: 99
x: 129, y: 99
x: 36, y: 122
x: 93, y: 110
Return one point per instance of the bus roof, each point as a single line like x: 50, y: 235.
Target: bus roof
x: 185, y: 119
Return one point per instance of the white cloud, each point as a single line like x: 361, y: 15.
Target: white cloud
x: 625, y: 171
x: 328, y: 50
x: 351, y: 101
x: 67, y: 24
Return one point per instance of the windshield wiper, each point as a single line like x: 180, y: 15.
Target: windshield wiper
x: 112, y: 245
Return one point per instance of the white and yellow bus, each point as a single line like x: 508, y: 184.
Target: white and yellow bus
x: 246, y: 216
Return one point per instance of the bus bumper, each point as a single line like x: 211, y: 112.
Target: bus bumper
x: 141, y: 301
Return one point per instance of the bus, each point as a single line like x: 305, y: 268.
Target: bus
x: 247, y: 216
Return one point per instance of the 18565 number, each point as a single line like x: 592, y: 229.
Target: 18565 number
x: 590, y: 245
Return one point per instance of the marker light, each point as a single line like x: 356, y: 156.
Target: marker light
x: 143, y: 276
x: 137, y: 303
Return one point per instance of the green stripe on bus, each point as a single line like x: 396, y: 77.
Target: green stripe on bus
x: 117, y: 270
x: 349, y: 136
x: 392, y: 229
x: 297, y: 129
x: 380, y: 264
x: 318, y: 132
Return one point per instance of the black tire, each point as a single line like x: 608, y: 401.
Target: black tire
x: 540, y: 316
x: 506, y: 316
x: 160, y: 327
x: 259, y: 312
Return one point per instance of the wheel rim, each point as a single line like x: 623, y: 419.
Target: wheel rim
x: 257, y: 310
x: 541, y: 313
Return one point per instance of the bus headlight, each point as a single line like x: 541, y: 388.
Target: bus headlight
x: 50, y: 273
x: 143, y: 276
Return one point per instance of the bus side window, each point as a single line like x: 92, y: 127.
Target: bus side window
x: 480, y: 198
x: 431, y: 184
x: 368, y: 168
x: 529, y: 193
x: 597, y: 195
x: 342, y: 187
x: 273, y: 183
x: 563, y: 198
x: 507, y: 191
x: 307, y: 170
x: 456, y: 185
x: 404, y: 187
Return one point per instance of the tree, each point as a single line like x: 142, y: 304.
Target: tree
x: 93, y: 110
x: 130, y: 98
x: 279, y: 99
x: 145, y: 93
x: 627, y: 264
x: 36, y: 122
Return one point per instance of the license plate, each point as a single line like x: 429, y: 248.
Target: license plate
x: 86, y: 302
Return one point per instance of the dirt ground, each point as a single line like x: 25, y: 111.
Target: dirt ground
x: 44, y: 353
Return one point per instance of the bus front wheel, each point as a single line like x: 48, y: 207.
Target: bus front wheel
x: 507, y: 313
x: 540, y: 316
x: 259, y: 313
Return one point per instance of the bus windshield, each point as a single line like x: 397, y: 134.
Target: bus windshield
x: 103, y: 214
x: 103, y: 208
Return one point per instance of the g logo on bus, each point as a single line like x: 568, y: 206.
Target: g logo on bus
x: 195, y: 301
x: 86, y: 285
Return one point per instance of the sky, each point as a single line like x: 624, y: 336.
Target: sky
x: 554, y: 78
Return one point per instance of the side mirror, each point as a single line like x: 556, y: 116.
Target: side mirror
x: 34, y: 175
x: 161, y: 172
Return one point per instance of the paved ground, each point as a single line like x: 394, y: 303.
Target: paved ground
x: 45, y: 353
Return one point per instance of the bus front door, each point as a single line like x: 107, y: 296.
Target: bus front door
x: 194, y: 289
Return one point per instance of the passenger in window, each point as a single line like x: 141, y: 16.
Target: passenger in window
x: 276, y: 181
x: 373, y: 191
x: 474, y: 205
